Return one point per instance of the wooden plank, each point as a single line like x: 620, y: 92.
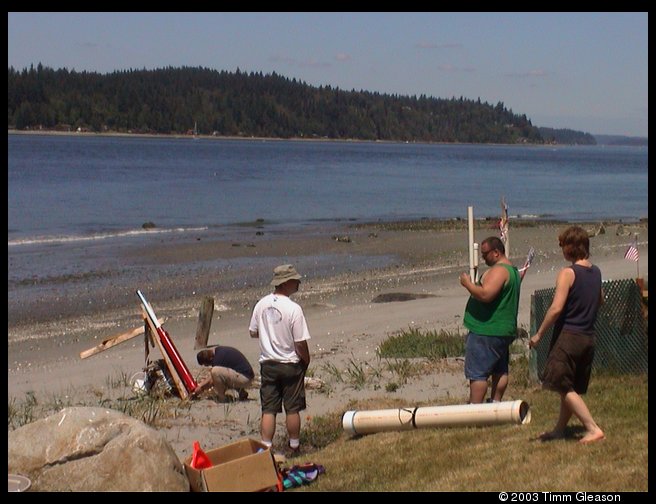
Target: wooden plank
x: 112, y: 341
x: 204, y: 322
x: 182, y: 390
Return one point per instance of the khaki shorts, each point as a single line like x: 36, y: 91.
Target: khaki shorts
x: 282, y: 383
x: 226, y: 378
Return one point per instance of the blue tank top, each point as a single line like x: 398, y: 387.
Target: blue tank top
x: 580, y: 310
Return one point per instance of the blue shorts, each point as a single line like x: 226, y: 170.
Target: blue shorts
x: 486, y: 355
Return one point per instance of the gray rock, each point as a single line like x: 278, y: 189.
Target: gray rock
x: 94, y: 449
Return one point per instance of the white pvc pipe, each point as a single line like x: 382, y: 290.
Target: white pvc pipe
x: 470, y: 225
x: 459, y: 415
x: 475, y: 262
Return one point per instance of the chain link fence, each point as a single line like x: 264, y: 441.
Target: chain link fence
x: 621, y: 329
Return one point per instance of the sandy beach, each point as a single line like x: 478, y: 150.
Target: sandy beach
x: 345, y: 324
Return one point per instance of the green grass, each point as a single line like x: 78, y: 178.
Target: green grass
x: 431, y: 345
x: 21, y: 412
x: 333, y: 371
x: 356, y: 373
x: 495, y: 458
x: 320, y: 431
x: 404, y: 369
x: 502, y: 457
x: 152, y: 409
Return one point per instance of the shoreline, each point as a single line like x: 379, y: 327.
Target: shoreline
x: 168, y: 268
x: 337, y: 298
x: 377, y: 257
x: 272, y: 139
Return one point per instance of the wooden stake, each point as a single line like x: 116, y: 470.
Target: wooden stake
x: 204, y: 322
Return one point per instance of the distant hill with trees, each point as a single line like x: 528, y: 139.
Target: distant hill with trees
x: 177, y: 100
x: 566, y: 136
x: 621, y: 140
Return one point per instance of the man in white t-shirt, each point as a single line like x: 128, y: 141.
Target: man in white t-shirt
x: 283, y: 333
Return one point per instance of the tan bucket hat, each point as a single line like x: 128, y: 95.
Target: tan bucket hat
x: 283, y: 273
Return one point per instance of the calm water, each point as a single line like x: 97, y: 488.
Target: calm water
x: 75, y: 204
x: 63, y: 187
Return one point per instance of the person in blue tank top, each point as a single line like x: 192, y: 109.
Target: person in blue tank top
x: 572, y: 313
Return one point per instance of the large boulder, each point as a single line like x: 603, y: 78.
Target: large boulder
x: 94, y: 449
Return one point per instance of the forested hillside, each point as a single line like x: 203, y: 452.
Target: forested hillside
x: 175, y: 100
x: 622, y: 140
x: 566, y: 136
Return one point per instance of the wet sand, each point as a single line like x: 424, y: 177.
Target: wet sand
x: 336, y: 295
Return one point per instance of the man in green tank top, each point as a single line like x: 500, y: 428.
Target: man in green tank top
x: 491, y: 317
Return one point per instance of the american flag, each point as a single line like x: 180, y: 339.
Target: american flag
x: 527, y: 264
x: 632, y: 252
x: 503, y: 222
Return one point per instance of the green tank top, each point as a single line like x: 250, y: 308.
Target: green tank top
x: 498, y: 318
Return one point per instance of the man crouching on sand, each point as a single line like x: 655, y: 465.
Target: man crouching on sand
x: 280, y: 325
x: 230, y: 370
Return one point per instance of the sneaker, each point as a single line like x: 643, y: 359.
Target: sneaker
x: 293, y: 452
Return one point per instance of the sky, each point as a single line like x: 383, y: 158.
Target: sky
x: 582, y: 71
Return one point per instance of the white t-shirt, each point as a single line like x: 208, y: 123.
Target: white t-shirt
x: 280, y: 322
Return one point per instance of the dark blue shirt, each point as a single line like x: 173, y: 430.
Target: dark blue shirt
x: 232, y: 358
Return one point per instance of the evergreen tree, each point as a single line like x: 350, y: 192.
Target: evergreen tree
x: 171, y: 100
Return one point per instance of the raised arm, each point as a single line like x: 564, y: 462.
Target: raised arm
x: 491, y: 284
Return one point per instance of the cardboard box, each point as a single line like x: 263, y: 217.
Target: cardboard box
x: 236, y: 467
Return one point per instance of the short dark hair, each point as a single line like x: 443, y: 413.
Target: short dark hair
x: 575, y: 243
x: 495, y: 244
x: 205, y: 357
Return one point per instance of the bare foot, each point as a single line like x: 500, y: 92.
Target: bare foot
x: 551, y: 435
x: 591, y: 437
